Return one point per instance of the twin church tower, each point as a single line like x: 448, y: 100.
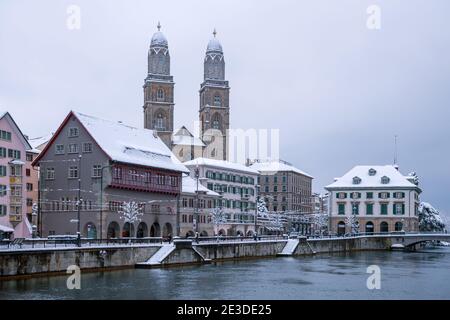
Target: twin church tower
x: 214, y: 111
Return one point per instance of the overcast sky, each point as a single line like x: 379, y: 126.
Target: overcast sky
x: 338, y: 91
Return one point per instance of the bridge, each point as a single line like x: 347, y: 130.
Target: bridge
x: 409, y: 240
x: 401, y: 239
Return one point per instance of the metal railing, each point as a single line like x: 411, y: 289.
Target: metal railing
x: 72, y: 242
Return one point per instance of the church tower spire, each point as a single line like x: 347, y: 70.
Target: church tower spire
x: 214, y: 109
x: 159, y: 89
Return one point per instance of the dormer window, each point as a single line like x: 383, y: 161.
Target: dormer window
x: 372, y: 172
x: 385, y: 180
x: 356, y: 180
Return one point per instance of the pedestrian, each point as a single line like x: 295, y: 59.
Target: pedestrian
x: 169, y: 237
x: 197, y: 237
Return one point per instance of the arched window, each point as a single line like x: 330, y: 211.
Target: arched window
x: 217, y: 100
x: 398, y: 226
x: 216, y: 122
x: 341, y: 228
x: 384, y: 227
x: 369, y: 227
x: 160, y: 94
x: 160, y: 122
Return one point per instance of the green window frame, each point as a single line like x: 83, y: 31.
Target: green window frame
x: 369, y: 209
x: 384, y: 208
x: 3, y: 170
x: 369, y: 195
x: 341, y: 208
x: 355, y: 208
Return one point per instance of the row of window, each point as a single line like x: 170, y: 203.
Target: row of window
x: 370, y: 195
x: 384, y: 179
x: 11, y: 153
x: 202, y: 203
x: 275, y: 189
x: 185, y: 218
x: 223, y: 188
x: 5, y: 135
x: 397, y: 208
x: 15, y: 170
x: 13, y: 209
x: 140, y: 177
x: 73, y: 148
x: 229, y: 177
x: 217, y: 100
x: 67, y: 204
x: 73, y: 172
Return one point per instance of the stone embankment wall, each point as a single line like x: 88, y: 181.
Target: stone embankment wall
x: 23, y: 262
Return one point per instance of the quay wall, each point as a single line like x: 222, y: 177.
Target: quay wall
x: 28, y: 262
x: 25, y: 262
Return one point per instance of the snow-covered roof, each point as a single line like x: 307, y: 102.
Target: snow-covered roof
x: 214, y: 45
x: 6, y: 229
x: 372, y: 179
x: 128, y: 144
x: 159, y: 40
x: 220, y: 164
x: 183, y: 136
x: 272, y: 167
x: 189, y: 185
x: 39, y: 141
x: 13, y: 124
x: 187, y: 141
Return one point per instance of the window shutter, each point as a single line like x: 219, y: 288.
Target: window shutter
x: 403, y: 208
x: 403, y: 194
x: 394, y: 206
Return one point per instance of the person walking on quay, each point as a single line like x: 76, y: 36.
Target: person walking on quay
x: 197, y: 237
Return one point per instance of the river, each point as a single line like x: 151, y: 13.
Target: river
x: 424, y: 274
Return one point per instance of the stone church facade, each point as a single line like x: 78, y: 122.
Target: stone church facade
x: 214, y: 103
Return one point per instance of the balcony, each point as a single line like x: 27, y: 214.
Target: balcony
x: 14, y: 200
x: 15, y: 218
x: 145, y: 180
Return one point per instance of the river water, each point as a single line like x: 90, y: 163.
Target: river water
x: 423, y: 274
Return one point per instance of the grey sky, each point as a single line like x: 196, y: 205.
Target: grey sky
x: 338, y: 91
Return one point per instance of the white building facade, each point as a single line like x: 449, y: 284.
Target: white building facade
x: 236, y: 185
x: 380, y: 197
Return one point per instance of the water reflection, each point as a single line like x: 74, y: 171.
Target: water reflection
x: 416, y: 275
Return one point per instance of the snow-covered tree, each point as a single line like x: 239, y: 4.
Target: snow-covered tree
x: 415, y: 178
x: 262, y: 208
x: 353, y: 222
x: 130, y: 212
x: 320, y: 221
x: 429, y: 218
x: 218, y: 217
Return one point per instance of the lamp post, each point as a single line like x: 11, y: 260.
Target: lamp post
x: 79, y: 202
x: 101, y: 200
x: 256, y: 210
x: 197, y: 176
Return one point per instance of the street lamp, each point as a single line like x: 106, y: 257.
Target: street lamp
x: 256, y: 210
x: 197, y: 176
x: 79, y: 202
x: 101, y: 200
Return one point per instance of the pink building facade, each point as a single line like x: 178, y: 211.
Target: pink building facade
x: 14, y: 176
